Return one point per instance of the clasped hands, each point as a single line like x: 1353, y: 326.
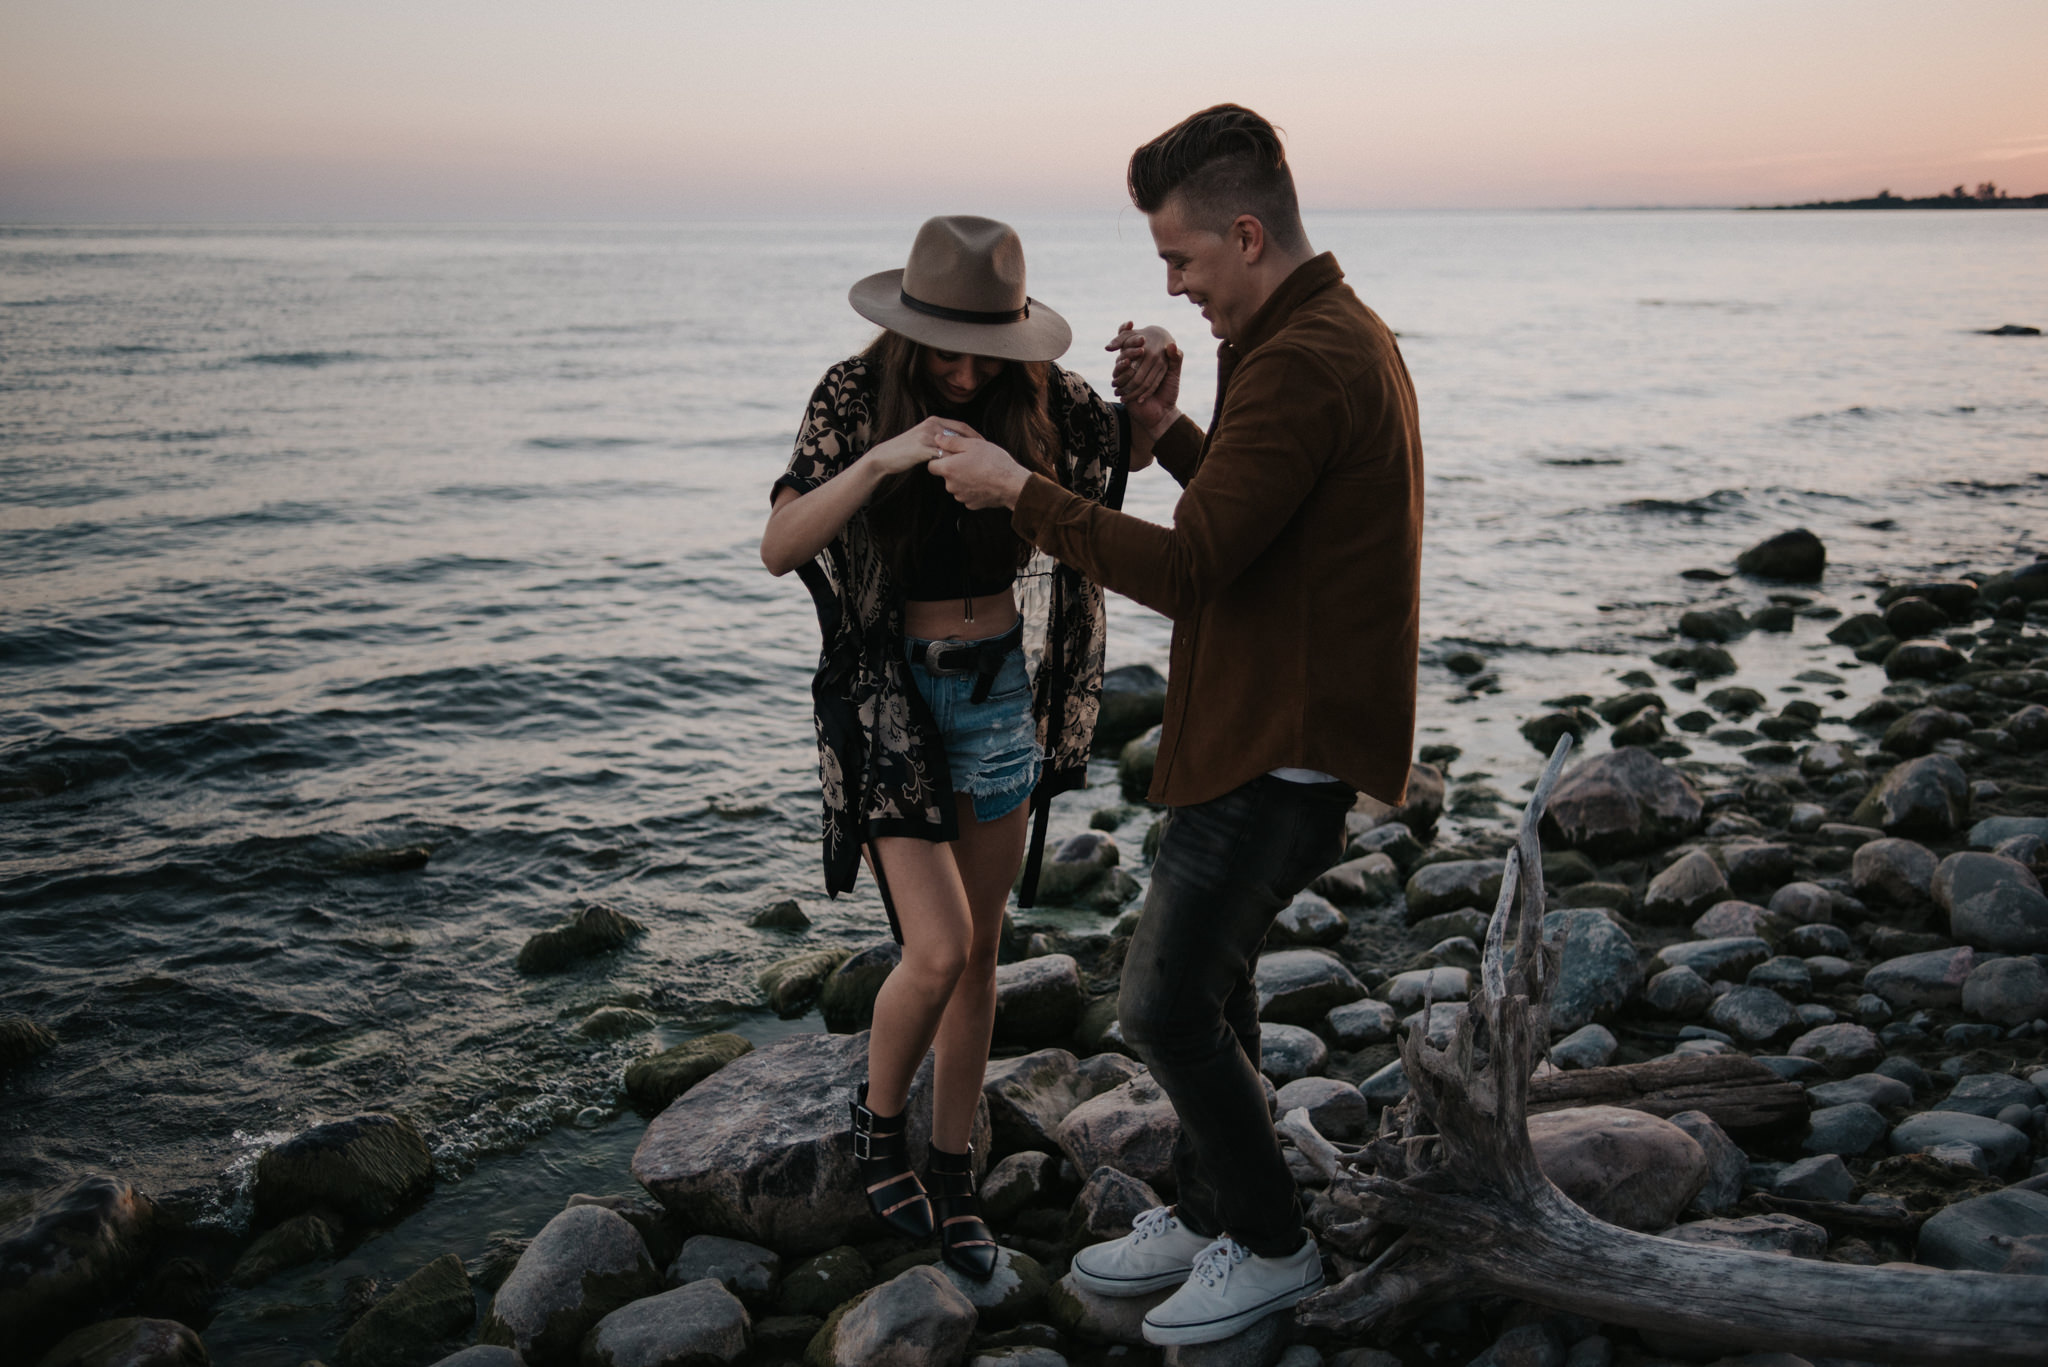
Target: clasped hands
x: 1146, y: 377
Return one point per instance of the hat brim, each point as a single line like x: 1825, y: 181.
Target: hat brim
x: 1041, y: 336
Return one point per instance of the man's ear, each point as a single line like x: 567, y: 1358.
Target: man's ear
x: 1248, y: 235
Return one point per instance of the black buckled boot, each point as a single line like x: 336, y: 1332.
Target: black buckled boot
x: 894, y: 1193
x: 965, y: 1240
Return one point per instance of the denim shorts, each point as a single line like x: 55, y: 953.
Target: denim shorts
x: 991, y: 746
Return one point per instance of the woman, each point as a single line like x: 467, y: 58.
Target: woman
x: 933, y: 734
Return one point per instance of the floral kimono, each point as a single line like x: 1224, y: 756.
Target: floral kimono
x: 880, y: 757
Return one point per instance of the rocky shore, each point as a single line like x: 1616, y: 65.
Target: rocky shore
x: 1803, y: 1009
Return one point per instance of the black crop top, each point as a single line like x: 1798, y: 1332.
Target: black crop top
x: 943, y: 568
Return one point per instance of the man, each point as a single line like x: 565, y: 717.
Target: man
x: 1291, y: 573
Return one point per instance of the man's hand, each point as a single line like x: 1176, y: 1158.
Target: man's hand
x: 979, y: 473
x: 1147, y: 376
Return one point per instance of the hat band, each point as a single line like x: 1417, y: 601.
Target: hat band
x: 964, y: 315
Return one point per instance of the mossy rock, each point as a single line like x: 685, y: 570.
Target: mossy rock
x: 653, y: 1082
x: 791, y: 984
x: 592, y: 930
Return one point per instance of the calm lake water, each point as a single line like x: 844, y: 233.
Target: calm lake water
x: 316, y: 542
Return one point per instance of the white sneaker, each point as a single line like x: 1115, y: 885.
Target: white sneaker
x: 1158, y: 1252
x: 1229, y: 1289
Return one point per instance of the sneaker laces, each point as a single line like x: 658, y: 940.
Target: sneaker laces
x: 1213, y: 1264
x: 1153, y: 1224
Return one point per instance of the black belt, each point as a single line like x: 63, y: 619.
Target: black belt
x: 983, y: 659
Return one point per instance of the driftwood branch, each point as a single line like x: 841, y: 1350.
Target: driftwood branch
x: 1453, y: 1196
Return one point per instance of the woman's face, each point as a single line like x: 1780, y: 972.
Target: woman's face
x: 958, y: 376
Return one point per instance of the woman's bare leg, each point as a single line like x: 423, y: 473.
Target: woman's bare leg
x: 932, y: 908
x: 987, y: 856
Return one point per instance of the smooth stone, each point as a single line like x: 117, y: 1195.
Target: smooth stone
x: 1925, y: 796
x: 2028, y: 728
x: 1107, y: 1204
x: 698, y: 1323
x: 366, y: 1167
x: 1028, y: 1097
x: 1800, y: 1070
x: 847, y: 1000
x: 656, y: 1080
x: 1851, y: 1129
x: 1407, y: 992
x: 1729, y: 920
x: 1079, y: 1312
x: 1438, y: 1024
x: 1308, y: 920
x: 758, y: 1150
x: 1589, y: 1046
x: 1078, y: 870
x: 788, y: 914
x: 1299, y: 986
x: 1987, y: 1094
x: 818, y: 1284
x: 22, y: 1040
x: 1014, y: 1293
x: 1691, y: 884
x: 1369, y: 880
x: 1131, y: 1128
x: 613, y: 1022
x: 1842, y: 1048
x: 1727, y: 1164
x: 1991, y: 1233
x: 584, y: 1264
x: 1337, y: 1109
x: 1392, y: 839
x: 129, y: 1342
x: 1727, y: 957
x: 1625, y: 1167
x: 434, y: 1304
x: 1019, y: 1181
x: 747, y: 1270
x: 1525, y: 1345
x: 916, y: 1319
x: 1992, y: 902
x: 1785, y: 975
x: 2007, y: 991
x: 1803, y: 904
x: 1754, y: 865
x: 1135, y: 763
x: 1599, y: 972
x: 1357, y: 1024
x: 1993, y: 831
x: 792, y: 984
x: 1785, y: 1234
x: 1288, y: 1052
x: 1900, y: 872
x: 1752, y: 1014
x: 1922, y: 659
x: 1679, y: 992
x: 1621, y: 802
x: 2002, y: 1144
x: 590, y: 931
x: 1452, y: 885
x: 1038, y: 1000
x: 1933, y: 977
x: 1872, y: 1089
x: 1818, y: 939
x: 1387, y: 1085
x: 300, y: 1240
x: 1918, y: 731
x: 1796, y: 556
x: 1133, y: 701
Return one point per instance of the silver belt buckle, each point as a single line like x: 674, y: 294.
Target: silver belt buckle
x: 937, y: 657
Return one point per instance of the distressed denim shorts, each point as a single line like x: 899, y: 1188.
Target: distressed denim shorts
x: 991, y: 746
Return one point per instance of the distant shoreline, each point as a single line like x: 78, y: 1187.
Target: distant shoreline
x: 1885, y: 199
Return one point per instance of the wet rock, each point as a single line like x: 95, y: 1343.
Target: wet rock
x: 1337, y: 1109
x: 1015, y: 1293
x: 788, y: 914
x: 748, y: 1271
x: 1922, y: 659
x: 1391, y: 839
x: 1803, y: 904
x: 818, y: 1284
x: 1387, y: 1085
x: 1927, y: 796
x: 1038, y: 1000
x: 590, y: 931
x: 1599, y: 971
x: 698, y: 1323
x: 1754, y: 865
x: 1370, y: 880
x: 1622, y: 802
x: 1424, y: 805
x: 1797, y: 556
x: 1131, y: 1128
x: 1712, y: 624
x: 1917, y: 732
x: 1308, y: 920
x: 1850, y: 1129
x: 1589, y: 1046
x: 1914, y: 616
x: 366, y: 1167
x: 1407, y: 991
x: 1932, y: 977
x: 1842, y: 1048
x: 1727, y: 1164
x: 1730, y: 920
x: 1076, y: 1311
x: 1858, y: 629
x: 1288, y: 1052
x: 2028, y: 727
x: 613, y: 1022
x: 1689, y: 886
x: 1828, y: 758
x: 1996, y: 830
x: 1299, y: 986
x: 1543, y: 730
x: 1642, y: 728
x: 1108, y: 1204
x: 1019, y: 1181
x: 1357, y: 1024
x: 1785, y: 1234
x: 1625, y: 1167
x: 1133, y: 701
x: 1817, y: 938
x: 584, y: 1264
x: 917, y: 1319
x: 1989, y: 1094
x: 1454, y: 884
x: 1083, y: 872
x: 1727, y: 958
x: 653, y: 1082
x: 847, y: 1000
x: 22, y: 1041
x: 1992, y: 902
x: 1899, y: 872
x: 792, y: 984
x: 2001, y: 1144
x: 434, y: 1304
x: 1785, y: 975
x: 2007, y: 991
x: 1028, y: 1097
x: 1679, y: 992
x: 1752, y: 1014
x: 300, y: 1240
x: 1872, y: 1089
x: 759, y: 1150
x: 1135, y: 763
x: 1987, y: 1233
x: 129, y: 1343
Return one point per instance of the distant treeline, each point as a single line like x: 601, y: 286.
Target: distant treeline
x: 1986, y: 196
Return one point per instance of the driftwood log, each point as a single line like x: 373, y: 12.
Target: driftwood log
x: 1448, y: 1201
x: 1741, y: 1095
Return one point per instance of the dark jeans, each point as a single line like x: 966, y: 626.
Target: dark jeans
x: 1225, y: 869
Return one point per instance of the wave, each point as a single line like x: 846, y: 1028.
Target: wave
x: 307, y: 360
x: 582, y: 443
x: 1720, y: 501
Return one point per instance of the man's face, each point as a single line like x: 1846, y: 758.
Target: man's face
x: 1209, y: 268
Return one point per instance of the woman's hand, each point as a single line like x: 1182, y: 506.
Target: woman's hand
x: 1147, y: 376
x: 919, y: 445
x: 979, y: 473
x: 804, y: 524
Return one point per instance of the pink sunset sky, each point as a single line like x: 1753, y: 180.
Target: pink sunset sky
x: 224, y: 110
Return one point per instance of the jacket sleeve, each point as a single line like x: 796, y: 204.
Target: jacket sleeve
x: 834, y: 431
x: 1282, y: 420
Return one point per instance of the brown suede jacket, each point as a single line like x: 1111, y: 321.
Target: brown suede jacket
x: 1292, y: 570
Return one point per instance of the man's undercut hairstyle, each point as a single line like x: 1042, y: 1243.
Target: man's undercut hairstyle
x: 1223, y: 162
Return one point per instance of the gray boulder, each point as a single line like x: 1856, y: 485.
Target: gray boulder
x: 1679, y: 992
x: 1028, y: 1097
x: 1288, y: 1052
x: 1728, y: 958
x: 1988, y: 1094
x: 1589, y: 1046
x: 1727, y: 1164
x: 1850, y: 1129
x: 1785, y: 1234
x: 818, y: 1284
x: 1108, y: 1204
x: 366, y: 1167
x: 1621, y: 802
x: 1928, y: 796
x: 1752, y: 1014
x: 2007, y: 991
x: 1872, y: 1089
x: 1308, y: 920
x: 1691, y: 884
x: 1842, y: 1048
x: 1299, y: 986
x: 73, y: 1245
x: 1015, y: 1292
x: 128, y: 1343
x: 433, y: 1305
x: 584, y: 1264
x: 1080, y: 1313
x: 1387, y: 1085
x: 1988, y: 1233
x: 759, y: 1150
x: 747, y: 1270
x: 1933, y: 977
x: 1730, y: 920
x: 1900, y: 872
x: 1337, y: 1109
x: 1133, y: 701
x: 300, y: 1240
x: 590, y: 931
x: 1992, y: 902
x: 918, y: 1319
x: 1625, y: 1167
x: 1452, y: 885
x: 1038, y: 1000
x: 656, y: 1080
x: 1994, y: 831
x: 792, y: 984
x: 1797, y: 556
x: 1357, y: 1024
x: 1916, y: 733
x: 1370, y: 880
x: 1131, y: 1128
x: 1599, y: 970
x: 1407, y: 991
x: 1803, y: 904
x: 1017, y: 1182
x: 2001, y: 1143
x: 847, y: 1000
x: 695, y: 1325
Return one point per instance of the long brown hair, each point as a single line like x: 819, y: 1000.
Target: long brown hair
x: 907, y: 506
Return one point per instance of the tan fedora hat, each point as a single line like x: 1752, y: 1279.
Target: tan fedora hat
x: 963, y: 290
